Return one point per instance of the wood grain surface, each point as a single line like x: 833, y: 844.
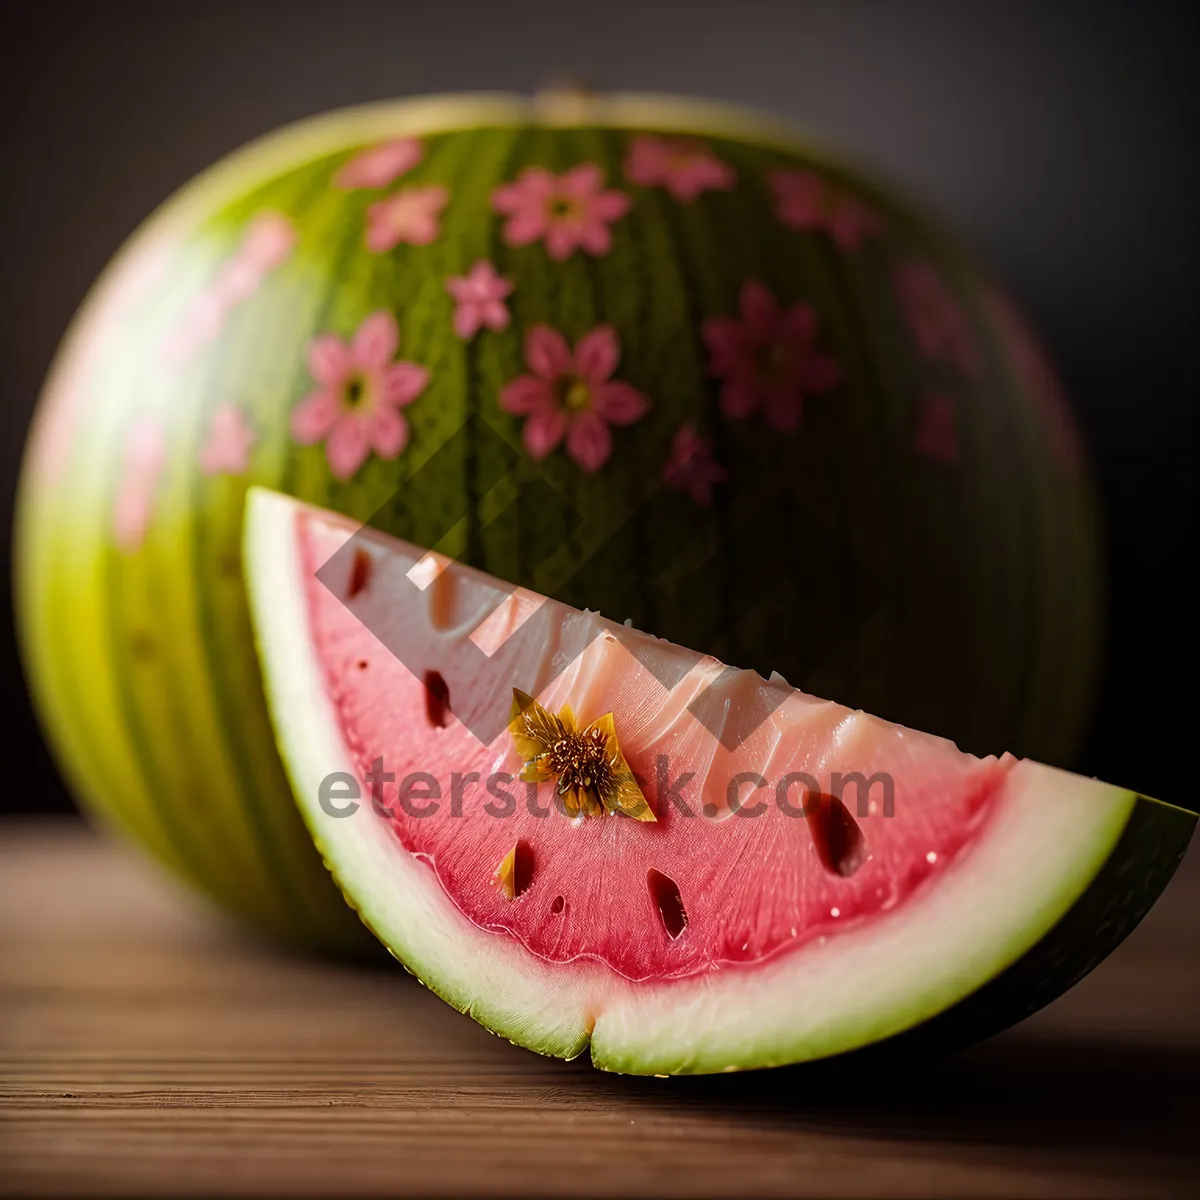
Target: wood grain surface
x: 146, y: 1047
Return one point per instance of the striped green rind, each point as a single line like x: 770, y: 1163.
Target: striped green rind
x: 891, y: 583
x: 1065, y: 869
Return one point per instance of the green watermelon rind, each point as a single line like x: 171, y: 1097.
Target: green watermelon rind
x: 1050, y: 854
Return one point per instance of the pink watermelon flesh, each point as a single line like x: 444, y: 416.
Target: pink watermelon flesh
x: 652, y: 901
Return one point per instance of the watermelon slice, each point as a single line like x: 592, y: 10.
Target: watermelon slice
x: 804, y: 879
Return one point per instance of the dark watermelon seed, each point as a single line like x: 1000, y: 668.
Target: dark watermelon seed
x: 836, y: 835
x: 522, y: 868
x: 558, y: 905
x: 362, y: 664
x: 437, y: 699
x: 360, y: 573
x: 664, y: 891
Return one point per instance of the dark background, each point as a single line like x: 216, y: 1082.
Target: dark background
x: 1060, y: 139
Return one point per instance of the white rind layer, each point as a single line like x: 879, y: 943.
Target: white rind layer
x: 1050, y: 834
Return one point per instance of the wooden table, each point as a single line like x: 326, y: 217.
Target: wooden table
x: 147, y: 1047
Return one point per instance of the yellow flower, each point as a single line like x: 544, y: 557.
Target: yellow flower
x: 592, y: 774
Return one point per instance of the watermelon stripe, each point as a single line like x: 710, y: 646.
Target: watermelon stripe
x: 88, y: 767
x: 182, y: 846
x: 476, y: 240
x: 832, y: 492
x: 847, y: 329
x: 171, y: 760
x: 613, y: 289
x: 64, y: 690
x: 250, y: 776
x: 112, y: 569
x: 475, y: 549
x: 960, y: 502
x: 489, y: 377
x: 882, y: 338
x: 909, y: 479
x: 641, y: 548
x: 707, y: 291
x: 675, y: 265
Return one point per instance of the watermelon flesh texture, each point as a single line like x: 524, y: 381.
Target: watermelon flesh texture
x: 732, y: 931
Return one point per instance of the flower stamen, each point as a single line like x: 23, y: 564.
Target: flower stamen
x: 356, y: 391
x: 574, y: 394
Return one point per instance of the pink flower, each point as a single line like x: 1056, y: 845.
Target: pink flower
x: 411, y: 216
x: 692, y: 467
x: 380, y: 165
x: 572, y: 395
x: 144, y: 460
x: 230, y: 439
x: 799, y: 198
x: 938, y: 323
x: 937, y: 432
x: 768, y: 358
x: 354, y: 409
x: 268, y: 241
x: 681, y: 165
x: 480, y: 295
x: 570, y: 211
x: 850, y: 222
x: 266, y: 245
x: 804, y: 200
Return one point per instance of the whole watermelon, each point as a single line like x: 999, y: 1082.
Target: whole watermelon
x: 654, y: 357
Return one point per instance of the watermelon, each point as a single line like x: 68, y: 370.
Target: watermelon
x: 654, y: 357
x: 680, y: 900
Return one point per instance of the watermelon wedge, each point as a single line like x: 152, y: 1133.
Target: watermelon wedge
x: 804, y: 879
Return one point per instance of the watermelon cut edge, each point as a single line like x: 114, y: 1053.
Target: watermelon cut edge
x: 1066, y: 867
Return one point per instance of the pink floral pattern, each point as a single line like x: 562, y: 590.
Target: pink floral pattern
x: 230, y: 439
x: 572, y: 395
x: 380, y: 165
x: 480, y: 296
x: 683, y: 166
x: 266, y: 245
x: 145, y: 456
x: 768, y: 358
x: 269, y: 241
x: 804, y: 200
x: 936, y: 437
x: 355, y: 409
x: 570, y: 211
x: 938, y: 323
x: 691, y: 467
x: 411, y: 215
